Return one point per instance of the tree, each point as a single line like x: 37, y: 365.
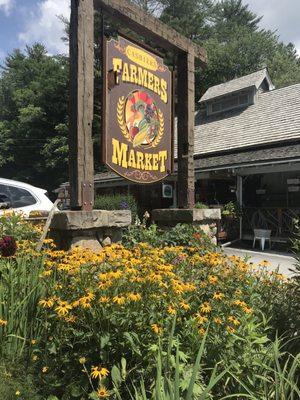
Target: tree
x: 33, y: 114
x: 189, y: 17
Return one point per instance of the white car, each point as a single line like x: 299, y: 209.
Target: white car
x: 22, y: 198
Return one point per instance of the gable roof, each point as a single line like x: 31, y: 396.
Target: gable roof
x: 252, y: 80
x: 274, y: 118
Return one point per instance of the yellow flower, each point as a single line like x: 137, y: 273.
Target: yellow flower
x: 63, y: 308
x: 230, y: 329
x: 234, y: 320
x: 201, y: 319
x: 212, y: 279
x: 71, y: 319
x: 102, y: 392
x: 264, y: 263
x: 184, y: 305
x: 45, y: 369
x: 34, y: 357
x: 99, y: 372
x: 205, y: 308
x: 171, y: 310
x: 119, y: 300
x: 247, y: 310
x: 134, y: 296
x: 48, y: 272
x: 82, y: 360
x: 3, y: 322
x: 104, y: 299
x: 46, y: 303
x: 156, y: 329
x: 218, y: 296
x: 33, y: 341
x: 218, y: 321
x: 18, y: 393
x: 201, y: 331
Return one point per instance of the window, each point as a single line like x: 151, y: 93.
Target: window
x: 230, y: 103
x: 17, y: 197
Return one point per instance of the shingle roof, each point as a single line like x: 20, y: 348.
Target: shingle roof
x: 253, y: 156
x: 247, y: 81
x: 275, y: 117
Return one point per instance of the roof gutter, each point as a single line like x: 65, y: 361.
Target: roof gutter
x: 247, y: 165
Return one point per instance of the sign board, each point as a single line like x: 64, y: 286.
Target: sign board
x: 294, y: 189
x: 167, y: 191
x: 137, y: 113
x: 294, y: 181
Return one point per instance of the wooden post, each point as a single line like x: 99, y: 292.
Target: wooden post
x: 186, y: 123
x: 81, y: 163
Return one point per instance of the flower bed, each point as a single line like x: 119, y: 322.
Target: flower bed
x: 97, y: 325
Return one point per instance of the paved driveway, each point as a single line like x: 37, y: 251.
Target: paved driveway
x: 284, y: 261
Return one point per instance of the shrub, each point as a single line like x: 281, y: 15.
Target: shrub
x: 117, y: 202
x: 12, y: 224
x: 200, y: 206
x: 180, y: 235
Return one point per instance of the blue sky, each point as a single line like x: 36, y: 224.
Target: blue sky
x: 26, y: 21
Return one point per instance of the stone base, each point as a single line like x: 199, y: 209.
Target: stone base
x: 88, y: 229
x: 206, y: 218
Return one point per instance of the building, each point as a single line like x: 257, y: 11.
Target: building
x: 247, y: 148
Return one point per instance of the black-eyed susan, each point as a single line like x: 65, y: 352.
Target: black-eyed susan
x: 205, y: 308
x: 218, y: 321
x: 120, y: 300
x: 102, y: 392
x: 212, y: 279
x: 99, y: 372
x: 156, y: 329
x: 47, y: 303
x: 218, y: 296
x: 63, y: 308
x: 201, y: 319
x: 134, y: 296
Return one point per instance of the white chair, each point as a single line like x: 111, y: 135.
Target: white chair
x: 262, y: 235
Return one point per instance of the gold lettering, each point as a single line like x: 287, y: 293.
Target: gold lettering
x: 140, y: 160
x: 164, y: 95
x: 133, y: 74
x: 125, y: 77
x: 148, y: 159
x: 119, y: 153
x: 156, y: 88
x: 150, y: 81
x: 163, y: 155
x: 117, y: 65
x: 142, y: 77
x: 131, y: 159
x: 155, y: 162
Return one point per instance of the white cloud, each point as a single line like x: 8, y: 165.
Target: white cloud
x: 279, y: 15
x: 44, y: 25
x: 6, y: 6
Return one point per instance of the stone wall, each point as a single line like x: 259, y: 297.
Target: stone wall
x: 206, y: 219
x: 88, y: 229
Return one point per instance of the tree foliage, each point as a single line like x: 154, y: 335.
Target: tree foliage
x: 33, y: 115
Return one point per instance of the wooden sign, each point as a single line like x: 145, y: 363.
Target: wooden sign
x: 137, y: 113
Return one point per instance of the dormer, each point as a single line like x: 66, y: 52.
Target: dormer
x: 236, y: 94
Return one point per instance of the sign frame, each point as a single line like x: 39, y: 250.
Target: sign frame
x: 165, y: 132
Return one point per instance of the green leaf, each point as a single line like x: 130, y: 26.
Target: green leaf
x: 116, y: 376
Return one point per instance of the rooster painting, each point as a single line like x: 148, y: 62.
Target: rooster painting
x: 141, y: 119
